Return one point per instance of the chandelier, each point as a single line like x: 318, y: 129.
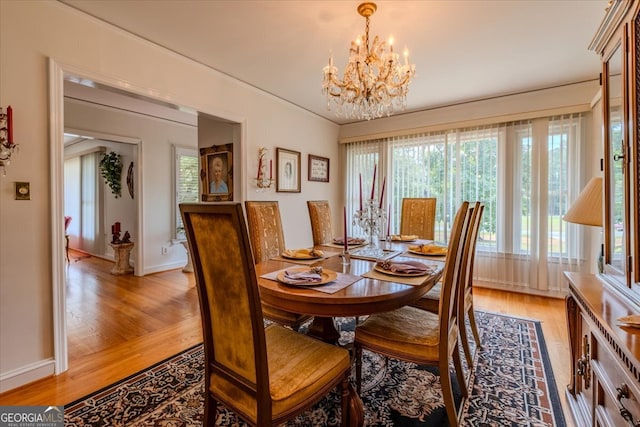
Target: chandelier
x: 374, y: 84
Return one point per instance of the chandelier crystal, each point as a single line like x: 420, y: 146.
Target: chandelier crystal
x: 374, y: 84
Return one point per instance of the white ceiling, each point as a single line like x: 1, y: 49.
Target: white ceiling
x: 463, y: 50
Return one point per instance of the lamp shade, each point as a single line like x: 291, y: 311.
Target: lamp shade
x: 587, y: 208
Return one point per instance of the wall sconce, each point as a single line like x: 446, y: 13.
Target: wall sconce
x: 262, y: 182
x: 7, y: 147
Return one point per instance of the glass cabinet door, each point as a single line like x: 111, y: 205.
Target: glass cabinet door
x: 616, y: 216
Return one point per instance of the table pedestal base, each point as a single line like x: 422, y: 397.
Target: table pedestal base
x: 121, y: 254
x: 324, y: 328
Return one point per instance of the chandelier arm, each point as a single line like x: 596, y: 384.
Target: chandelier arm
x: 344, y: 85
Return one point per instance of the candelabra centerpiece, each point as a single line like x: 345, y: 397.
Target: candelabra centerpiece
x: 262, y: 182
x: 371, y: 219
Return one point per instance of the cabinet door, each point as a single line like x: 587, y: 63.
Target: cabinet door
x: 615, y: 162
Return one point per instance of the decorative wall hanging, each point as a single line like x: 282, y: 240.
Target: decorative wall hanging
x: 262, y: 182
x: 111, y: 171
x: 288, y: 165
x: 318, y: 168
x: 130, y: 179
x: 7, y: 147
x: 216, y: 173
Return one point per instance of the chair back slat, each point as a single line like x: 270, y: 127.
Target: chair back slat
x: 468, y: 248
x: 451, y: 277
x: 474, y: 239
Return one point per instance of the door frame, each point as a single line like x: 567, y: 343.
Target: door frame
x: 57, y: 73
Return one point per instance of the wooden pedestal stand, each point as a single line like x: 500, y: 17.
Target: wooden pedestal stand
x: 121, y: 253
x: 188, y: 268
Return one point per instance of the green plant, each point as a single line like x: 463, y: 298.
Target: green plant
x: 111, y: 171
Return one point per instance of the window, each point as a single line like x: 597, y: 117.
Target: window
x: 523, y: 172
x: 187, y: 177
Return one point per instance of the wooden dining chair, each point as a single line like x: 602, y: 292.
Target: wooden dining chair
x: 265, y: 375
x: 320, y: 216
x: 267, y: 241
x: 431, y: 300
x: 419, y: 336
x: 418, y: 217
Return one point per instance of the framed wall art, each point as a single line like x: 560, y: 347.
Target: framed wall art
x: 288, y: 171
x: 216, y: 173
x: 318, y: 168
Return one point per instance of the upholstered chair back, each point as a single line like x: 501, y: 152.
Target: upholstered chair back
x: 418, y: 217
x: 266, y: 375
x: 230, y: 307
x: 320, y: 216
x: 265, y: 229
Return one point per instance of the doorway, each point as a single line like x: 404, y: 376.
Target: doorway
x: 90, y: 206
x: 57, y: 77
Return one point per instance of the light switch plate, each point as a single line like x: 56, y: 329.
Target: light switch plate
x: 23, y: 191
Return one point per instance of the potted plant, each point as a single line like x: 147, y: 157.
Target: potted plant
x: 111, y: 171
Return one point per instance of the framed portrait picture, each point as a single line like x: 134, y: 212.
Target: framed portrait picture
x: 287, y: 170
x: 318, y: 168
x: 216, y: 173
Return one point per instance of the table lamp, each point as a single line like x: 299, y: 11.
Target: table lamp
x: 587, y: 210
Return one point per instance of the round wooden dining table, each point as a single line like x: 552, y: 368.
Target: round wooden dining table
x: 363, y: 297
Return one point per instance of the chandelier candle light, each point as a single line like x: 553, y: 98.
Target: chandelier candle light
x: 374, y: 84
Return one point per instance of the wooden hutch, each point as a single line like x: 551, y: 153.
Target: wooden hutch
x: 605, y: 383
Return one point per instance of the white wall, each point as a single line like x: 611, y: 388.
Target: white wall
x: 31, y: 32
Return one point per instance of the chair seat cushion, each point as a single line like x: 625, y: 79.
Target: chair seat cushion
x: 407, y: 331
x: 283, y: 317
x: 299, y: 367
x: 431, y: 300
x: 298, y: 364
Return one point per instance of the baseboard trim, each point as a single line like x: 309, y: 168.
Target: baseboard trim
x: 520, y: 289
x: 26, y: 374
x: 164, y: 267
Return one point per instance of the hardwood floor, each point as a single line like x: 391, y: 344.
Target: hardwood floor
x: 118, y: 325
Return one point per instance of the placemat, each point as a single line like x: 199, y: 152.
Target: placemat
x: 341, y: 282
x: 429, y: 257
x: 327, y: 254
x: 407, y: 280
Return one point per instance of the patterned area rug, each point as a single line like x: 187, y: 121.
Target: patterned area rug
x: 513, y: 385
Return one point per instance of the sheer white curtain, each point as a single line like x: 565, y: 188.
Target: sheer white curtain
x: 526, y: 174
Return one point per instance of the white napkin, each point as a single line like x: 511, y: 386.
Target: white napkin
x: 405, y: 267
x: 302, y: 277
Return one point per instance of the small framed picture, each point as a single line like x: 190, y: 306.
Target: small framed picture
x: 216, y: 173
x: 288, y: 171
x: 318, y: 168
